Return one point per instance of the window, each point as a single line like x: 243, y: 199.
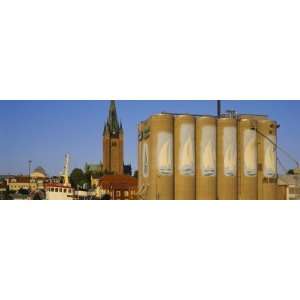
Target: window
x: 60, y: 190
x: 65, y: 190
x: 56, y: 190
x: 52, y: 189
x: 69, y: 191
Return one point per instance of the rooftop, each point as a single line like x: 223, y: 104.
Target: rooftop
x: 118, y: 182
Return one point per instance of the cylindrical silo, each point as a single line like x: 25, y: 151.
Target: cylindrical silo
x: 227, y: 158
x: 206, y: 168
x: 161, y: 157
x: 184, y: 141
x: 267, y: 159
x: 247, y: 159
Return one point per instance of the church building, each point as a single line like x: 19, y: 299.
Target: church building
x: 113, y: 143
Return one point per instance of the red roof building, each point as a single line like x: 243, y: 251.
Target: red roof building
x: 119, y: 187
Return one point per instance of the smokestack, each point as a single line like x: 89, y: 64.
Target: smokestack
x: 219, y: 108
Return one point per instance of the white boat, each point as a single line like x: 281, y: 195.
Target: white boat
x: 187, y: 157
x: 270, y: 160
x: 165, y: 159
x: 250, y: 157
x: 230, y: 161
x: 59, y: 191
x: 209, y: 160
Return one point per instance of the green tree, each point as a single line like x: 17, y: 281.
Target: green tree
x: 77, y: 177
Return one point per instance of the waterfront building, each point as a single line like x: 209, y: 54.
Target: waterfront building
x: 118, y: 187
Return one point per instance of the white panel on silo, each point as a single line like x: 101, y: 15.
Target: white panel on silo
x: 230, y: 151
x: 187, y: 150
x: 208, y: 151
x: 165, y: 153
x: 250, y: 153
x: 270, y: 157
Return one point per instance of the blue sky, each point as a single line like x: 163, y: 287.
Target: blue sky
x: 44, y: 131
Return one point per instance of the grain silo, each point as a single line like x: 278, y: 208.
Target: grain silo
x: 267, y: 159
x: 161, y: 157
x: 206, y: 168
x: 227, y: 157
x: 205, y: 157
x: 247, y: 159
x: 184, y: 141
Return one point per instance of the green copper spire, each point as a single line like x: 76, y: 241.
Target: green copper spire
x: 112, y: 121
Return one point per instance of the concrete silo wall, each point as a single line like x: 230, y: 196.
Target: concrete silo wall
x: 184, y: 140
x: 162, y: 161
x: 247, y: 159
x: 227, y: 158
x: 206, y: 165
x: 267, y: 159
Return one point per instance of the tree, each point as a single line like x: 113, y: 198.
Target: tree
x: 136, y: 174
x: 77, y: 177
x: 290, y: 172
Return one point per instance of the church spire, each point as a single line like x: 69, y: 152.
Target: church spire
x: 112, y: 121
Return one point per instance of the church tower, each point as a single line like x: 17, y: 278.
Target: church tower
x: 113, y: 142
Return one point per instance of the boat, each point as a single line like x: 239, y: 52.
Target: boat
x: 250, y: 157
x: 165, y: 159
x: 270, y: 160
x: 209, y: 160
x: 61, y: 191
x: 187, y: 158
x: 230, y: 161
